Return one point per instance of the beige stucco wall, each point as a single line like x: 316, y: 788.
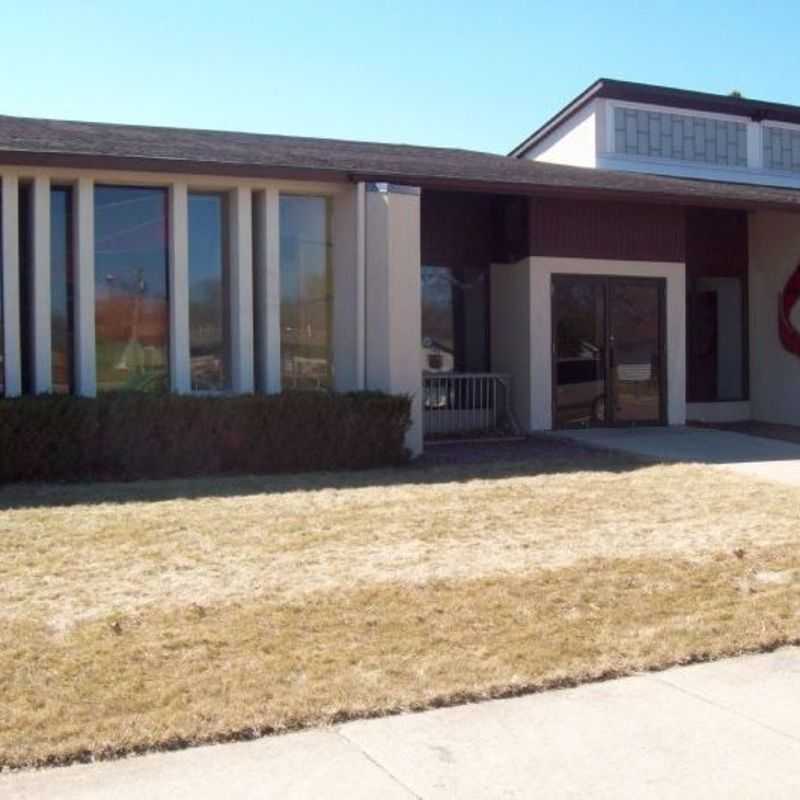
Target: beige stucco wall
x: 511, y: 333
x: 774, y: 373
x: 393, y: 307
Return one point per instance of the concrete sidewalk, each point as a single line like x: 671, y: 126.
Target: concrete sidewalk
x: 730, y: 729
x: 770, y: 459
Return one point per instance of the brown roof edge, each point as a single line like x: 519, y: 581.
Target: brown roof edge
x: 181, y: 167
x: 586, y: 193
x: 654, y: 189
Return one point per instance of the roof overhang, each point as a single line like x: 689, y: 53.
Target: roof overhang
x: 99, y: 147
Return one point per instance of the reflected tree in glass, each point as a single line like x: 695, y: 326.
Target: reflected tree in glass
x: 131, y: 294
x: 209, y: 292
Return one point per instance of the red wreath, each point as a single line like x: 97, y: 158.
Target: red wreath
x: 788, y: 298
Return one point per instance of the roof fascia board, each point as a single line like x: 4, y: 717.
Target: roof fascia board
x: 693, y: 196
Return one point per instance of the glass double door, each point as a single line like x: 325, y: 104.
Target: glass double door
x: 608, y: 351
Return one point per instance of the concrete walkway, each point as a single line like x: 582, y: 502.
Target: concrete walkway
x: 750, y: 455
x: 730, y: 729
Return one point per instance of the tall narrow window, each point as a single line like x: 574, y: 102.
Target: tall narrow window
x: 305, y: 292
x: 209, y: 292
x: 61, y: 288
x: 131, y: 299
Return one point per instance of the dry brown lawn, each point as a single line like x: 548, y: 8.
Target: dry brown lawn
x: 150, y: 615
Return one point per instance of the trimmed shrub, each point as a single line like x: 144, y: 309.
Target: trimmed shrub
x: 130, y: 436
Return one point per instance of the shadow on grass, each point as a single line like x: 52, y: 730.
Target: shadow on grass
x: 445, y: 463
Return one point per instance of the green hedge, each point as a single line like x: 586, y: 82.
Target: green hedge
x: 129, y: 436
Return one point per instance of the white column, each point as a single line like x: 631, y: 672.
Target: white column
x: 11, y: 329
x: 755, y: 145
x: 267, y: 291
x: 179, y: 350
x: 85, y: 356
x: 241, y: 290
x: 41, y: 325
x: 361, y: 266
x: 393, y: 307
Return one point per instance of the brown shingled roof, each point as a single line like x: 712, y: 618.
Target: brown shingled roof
x: 25, y: 141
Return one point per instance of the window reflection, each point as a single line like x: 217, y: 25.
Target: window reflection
x: 61, y: 287
x: 208, y: 292
x: 131, y: 303
x: 305, y: 292
x: 455, y: 319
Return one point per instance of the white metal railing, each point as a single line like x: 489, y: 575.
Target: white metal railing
x: 459, y: 403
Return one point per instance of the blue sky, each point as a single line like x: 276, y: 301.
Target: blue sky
x: 475, y: 75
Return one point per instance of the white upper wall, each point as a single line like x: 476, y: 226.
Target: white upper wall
x: 638, y: 137
x: 574, y: 142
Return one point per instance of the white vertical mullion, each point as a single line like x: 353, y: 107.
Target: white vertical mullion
x: 361, y: 268
x: 11, y: 326
x: 85, y: 355
x: 267, y: 290
x: 755, y: 145
x: 273, y: 290
x: 180, y: 370
x: 260, y: 290
x: 40, y: 300
x: 241, y: 290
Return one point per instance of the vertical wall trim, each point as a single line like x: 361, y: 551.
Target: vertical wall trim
x: 85, y: 358
x: 180, y: 367
x: 41, y: 317
x: 267, y: 291
x: 361, y: 289
x: 755, y: 145
x: 11, y: 324
x: 241, y: 290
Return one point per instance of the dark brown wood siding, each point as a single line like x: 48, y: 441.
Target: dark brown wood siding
x: 613, y: 230
x: 467, y: 229
x: 716, y: 242
x: 716, y: 247
x: 456, y: 228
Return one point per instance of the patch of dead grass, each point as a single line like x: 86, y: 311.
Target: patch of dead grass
x: 154, y: 678
x: 152, y: 615
x: 82, y: 552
